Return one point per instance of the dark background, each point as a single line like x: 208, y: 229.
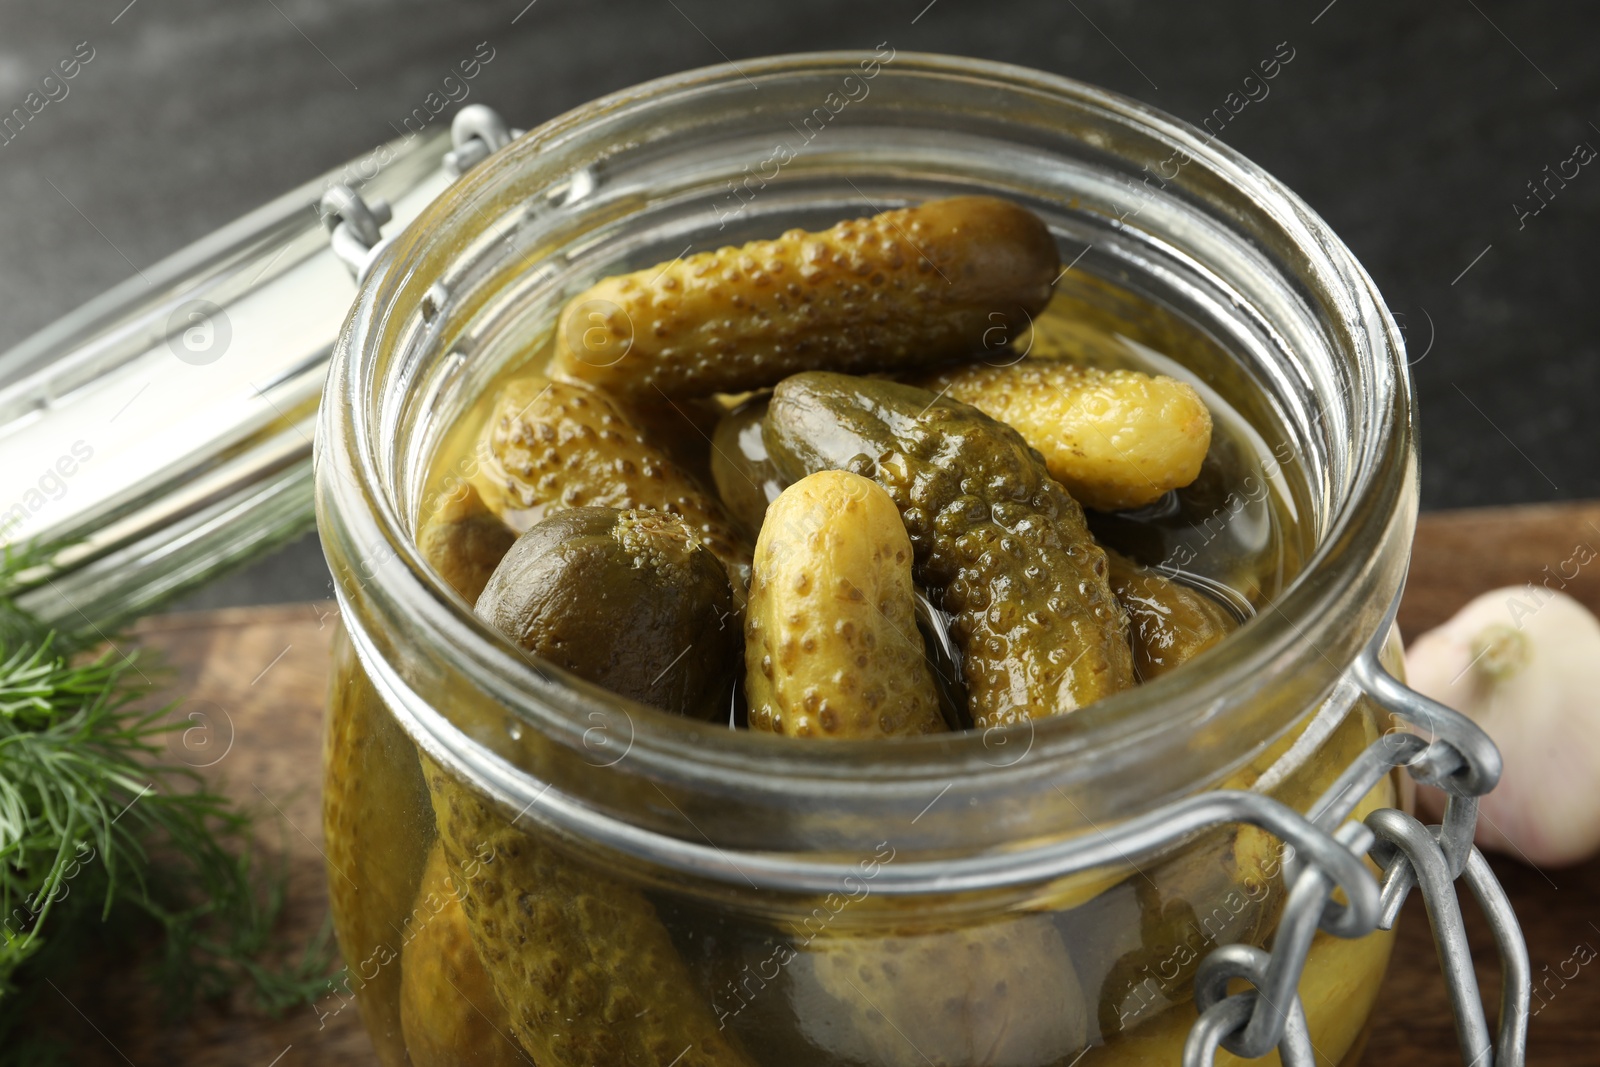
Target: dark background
x: 1413, y: 126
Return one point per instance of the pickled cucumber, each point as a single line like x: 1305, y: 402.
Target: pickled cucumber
x: 1002, y: 994
x: 1000, y: 544
x: 550, y: 446
x: 906, y: 288
x: 1170, y: 623
x: 448, y: 1009
x: 832, y: 648
x: 464, y: 541
x: 631, y: 600
x: 582, y: 961
x: 372, y: 785
x: 1114, y: 438
x: 746, y: 479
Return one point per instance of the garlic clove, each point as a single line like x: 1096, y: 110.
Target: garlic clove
x: 1524, y: 663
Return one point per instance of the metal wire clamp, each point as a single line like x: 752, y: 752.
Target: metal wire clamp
x: 355, y: 227
x: 1437, y: 746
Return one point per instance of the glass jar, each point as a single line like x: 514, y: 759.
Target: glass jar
x: 644, y: 889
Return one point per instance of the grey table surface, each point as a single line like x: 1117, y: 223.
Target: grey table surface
x: 1413, y: 127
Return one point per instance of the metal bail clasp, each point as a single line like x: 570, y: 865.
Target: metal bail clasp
x: 477, y: 132
x: 1439, y: 746
x: 355, y: 227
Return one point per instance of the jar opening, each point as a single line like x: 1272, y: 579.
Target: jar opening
x: 1219, y: 243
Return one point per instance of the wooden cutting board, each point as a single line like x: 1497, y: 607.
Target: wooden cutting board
x: 259, y: 676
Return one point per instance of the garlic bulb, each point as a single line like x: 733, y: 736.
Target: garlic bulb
x: 1524, y: 663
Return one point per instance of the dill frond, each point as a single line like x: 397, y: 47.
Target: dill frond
x: 96, y: 822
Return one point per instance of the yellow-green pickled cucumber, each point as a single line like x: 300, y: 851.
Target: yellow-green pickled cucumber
x: 1170, y: 623
x: 1114, y: 438
x: 631, y: 600
x: 832, y: 648
x: 744, y: 474
x: 906, y: 288
x: 1000, y: 544
x: 550, y: 446
x: 373, y: 797
x: 580, y: 959
x: 449, y: 1012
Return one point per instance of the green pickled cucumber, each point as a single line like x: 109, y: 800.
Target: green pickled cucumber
x: 907, y: 288
x: 581, y: 960
x: 997, y: 542
x: 549, y: 446
x: 1170, y: 623
x: 745, y: 476
x: 631, y: 600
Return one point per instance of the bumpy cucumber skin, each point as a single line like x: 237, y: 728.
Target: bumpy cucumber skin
x: 679, y: 428
x: 373, y: 796
x: 1169, y: 623
x: 550, y: 446
x: 906, y: 288
x: 745, y: 477
x: 631, y: 600
x: 1114, y: 438
x: 999, y: 543
x: 448, y: 1009
x: 832, y: 648
x: 588, y: 972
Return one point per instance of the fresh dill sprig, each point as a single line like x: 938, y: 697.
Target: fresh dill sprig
x: 96, y: 821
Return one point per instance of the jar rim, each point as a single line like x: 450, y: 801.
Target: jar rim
x: 1309, y: 635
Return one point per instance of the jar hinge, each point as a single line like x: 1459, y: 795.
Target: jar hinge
x: 355, y: 227
x: 1458, y: 757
